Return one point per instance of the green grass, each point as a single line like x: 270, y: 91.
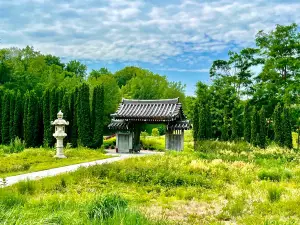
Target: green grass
x: 219, y: 183
x: 31, y: 160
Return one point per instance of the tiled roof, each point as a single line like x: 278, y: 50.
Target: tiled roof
x: 119, y: 125
x: 149, y: 110
x: 179, y: 125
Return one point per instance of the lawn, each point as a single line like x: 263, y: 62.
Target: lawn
x: 220, y: 183
x: 31, y: 160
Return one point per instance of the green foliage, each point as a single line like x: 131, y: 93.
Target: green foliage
x: 262, y: 128
x: 16, y: 145
x: 150, y: 143
x: 5, y: 118
x: 73, y: 126
x: 255, y: 130
x: 65, y: 108
x: 225, y: 127
x: 274, y: 194
x: 278, y: 129
x: 105, y: 206
x: 247, y: 122
x: 235, y: 134
x: 287, y: 129
x: 46, y: 118
x: 84, y: 115
x: 11, y: 115
x: 18, y: 116
x: 109, y: 143
x: 196, y: 122
x: 155, y: 132
x: 32, y: 121
x: 274, y: 174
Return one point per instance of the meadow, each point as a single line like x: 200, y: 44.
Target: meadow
x: 36, y: 159
x: 219, y: 183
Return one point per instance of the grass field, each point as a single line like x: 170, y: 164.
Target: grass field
x: 221, y: 183
x: 31, y: 160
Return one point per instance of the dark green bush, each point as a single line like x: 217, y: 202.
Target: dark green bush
x: 274, y: 175
x: 109, y: 143
x: 274, y: 194
x: 9, y: 199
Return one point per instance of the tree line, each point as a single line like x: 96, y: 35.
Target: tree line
x: 243, y: 104
x: 29, y: 116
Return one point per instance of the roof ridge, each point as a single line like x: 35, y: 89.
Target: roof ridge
x: 151, y: 101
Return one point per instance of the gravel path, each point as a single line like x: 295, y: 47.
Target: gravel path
x: 55, y: 171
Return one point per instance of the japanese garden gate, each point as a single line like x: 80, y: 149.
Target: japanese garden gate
x: 132, y: 114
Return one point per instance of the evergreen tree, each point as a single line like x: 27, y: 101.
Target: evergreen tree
x: 98, y: 104
x: 202, y: 122
x: 208, y: 122
x: 5, y: 118
x: 196, y: 123
x: 247, y: 123
x: 18, y: 116
x: 11, y: 116
x: 53, y: 111
x: 32, y: 123
x: 278, y: 129
x: 225, y: 127
x: 46, y: 118
x: 262, y: 127
x: 287, y: 128
x: 73, y: 119
x: 65, y: 108
x: 25, y: 118
x: 84, y: 125
x: 255, y: 128
x: 235, y: 128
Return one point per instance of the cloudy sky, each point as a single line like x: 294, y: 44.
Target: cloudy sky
x: 176, y: 38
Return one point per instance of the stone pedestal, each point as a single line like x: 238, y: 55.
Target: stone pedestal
x: 60, y: 148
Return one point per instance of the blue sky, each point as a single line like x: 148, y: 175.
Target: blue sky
x: 179, y: 38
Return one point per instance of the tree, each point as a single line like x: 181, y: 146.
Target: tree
x: 77, y: 68
x: 32, y: 126
x: 98, y: 73
x: 255, y: 130
x: 25, y: 117
x: 65, y: 108
x: 225, y: 127
x: 235, y: 128
x: 202, y: 122
x: 84, y: 125
x: 98, y: 116
x: 247, y: 122
x: 278, y: 129
x: 126, y: 74
x: 11, y: 116
x: 46, y: 118
x: 5, y: 118
x: 196, y: 123
x: 208, y: 122
x: 287, y: 128
x: 53, y: 110
x: 262, y: 128
x: 74, y: 118
x: 18, y: 116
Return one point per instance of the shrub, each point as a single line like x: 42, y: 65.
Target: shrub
x: 274, y: 194
x: 26, y: 187
x: 105, y: 206
x: 144, y: 134
x: 109, y: 143
x: 9, y: 199
x: 153, y: 144
x: 17, y: 145
x: 274, y: 175
x: 155, y: 132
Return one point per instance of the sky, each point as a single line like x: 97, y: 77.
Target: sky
x: 178, y: 38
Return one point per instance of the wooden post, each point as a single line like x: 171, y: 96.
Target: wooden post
x: 136, y: 139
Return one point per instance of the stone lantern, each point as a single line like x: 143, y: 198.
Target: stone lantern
x: 60, y: 134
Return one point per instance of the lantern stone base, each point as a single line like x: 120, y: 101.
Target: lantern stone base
x: 60, y: 148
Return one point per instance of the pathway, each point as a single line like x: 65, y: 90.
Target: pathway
x: 55, y: 171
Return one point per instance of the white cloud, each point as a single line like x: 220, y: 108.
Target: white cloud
x: 125, y: 30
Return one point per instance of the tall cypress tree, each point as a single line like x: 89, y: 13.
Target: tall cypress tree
x: 278, y: 129
x: 247, y: 122
x: 73, y: 119
x: 255, y: 127
x: 46, y: 118
x: 225, y: 127
x: 25, y: 118
x: 53, y: 111
x: 98, y: 104
x: 208, y: 122
x: 262, y: 127
x: 196, y: 123
x: 84, y: 116
x: 235, y: 128
x: 11, y: 116
x: 6, y: 118
x: 287, y: 128
x: 18, y: 116
x: 65, y: 108
x: 202, y: 122
x: 32, y: 125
